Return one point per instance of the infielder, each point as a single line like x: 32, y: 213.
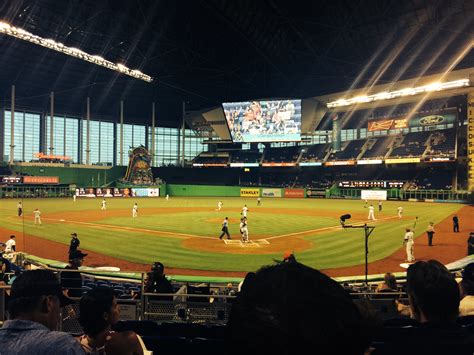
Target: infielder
x: 371, y: 213
x: 104, y: 205
x: 408, y: 241
x: 244, y: 211
x: 74, y: 197
x: 20, y: 209
x: 244, y: 230
x: 400, y: 211
x: 259, y: 201
x: 135, y: 210
x: 219, y: 205
x: 37, y: 214
x: 167, y: 197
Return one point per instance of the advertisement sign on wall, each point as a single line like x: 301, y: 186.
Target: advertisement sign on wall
x: 402, y: 161
x: 294, y: 193
x: 271, y: 192
x: 249, y: 192
x: 41, y: 179
x: 470, y: 142
x: 116, y: 192
x: 316, y: 193
x: 373, y: 194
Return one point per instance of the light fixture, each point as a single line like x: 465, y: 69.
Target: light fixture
x: 9, y: 30
x: 437, y: 86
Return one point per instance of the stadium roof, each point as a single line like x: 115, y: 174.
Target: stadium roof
x: 205, y: 52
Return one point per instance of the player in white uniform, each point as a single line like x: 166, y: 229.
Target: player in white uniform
x: 408, y: 241
x: 74, y: 197
x: 219, y: 205
x: 104, y: 205
x: 371, y: 213
x: 37, y: 214
x: 400, y: 211
x: 10, y: 245
x: 167, y: 197
x: 244, y: 230
x: 135, y: 210
x: 20, y: 209
x: 259, y: 201
x: 244, y: 211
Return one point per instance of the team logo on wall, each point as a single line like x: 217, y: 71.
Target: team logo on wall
x: 431, y: 120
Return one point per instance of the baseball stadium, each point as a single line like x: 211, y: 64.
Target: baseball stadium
x: 140, y: 139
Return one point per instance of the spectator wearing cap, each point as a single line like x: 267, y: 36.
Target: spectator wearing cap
x: 158, y: 283
x: 75, y: 242
x: 34, y: 309
x: 466, y: 287
x: 71, y: 279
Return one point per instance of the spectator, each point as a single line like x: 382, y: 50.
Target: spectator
x: 99, y: 311
x: 10, y: 245
x: 71, y: 280
x: 389, y: 283
x: 158, y: 283
x: 466, y: 288
x: 34, y: 308
x: 288, y: 307
x: 434, y: 302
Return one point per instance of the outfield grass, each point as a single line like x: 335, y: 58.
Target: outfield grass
x: 328, y: 249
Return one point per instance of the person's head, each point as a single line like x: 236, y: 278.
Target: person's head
x: 407, y: 230
x: 433, y: 292
x: 74, y: 235
x: 98, y: 310
x: 226, y: 218
x: 390, y: 280
x: 37, y: 296
x: 431, y: 223
x: 467, y: 283
x: 286, y: 307
x: 158, y: 269
x: 12, y: 237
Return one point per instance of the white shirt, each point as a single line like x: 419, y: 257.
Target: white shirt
x: 400, y: 209
x: 409, y: 237
x: 103, y: 203
x: 20, y: 205
x: 245, y: 209
x: 219, y: 204
x: 37, y: 213
x: 371, y: 209
x: 9, y: 244
x: 135, y: 208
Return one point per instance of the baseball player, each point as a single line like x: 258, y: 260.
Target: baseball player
x: 37, y: 214
x: 400, y: 211
x: 219, y: 205
x: 371, y: 213
x: 10, y: 245
x: 225, y: 228
x: 244, y: 211
x: 74, y: 197
x: 244, y: 230
x: 408, y: 242
x: 135, y: 210
x: 20, y: 209
x: 167, y: 197
x: 380, y: 206
x: 259, y: 201
x: 104, y: 205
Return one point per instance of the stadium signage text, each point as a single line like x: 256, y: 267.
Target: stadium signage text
x: 294, y: 193
x: 343, y: 162
x: 249, y: 192
x: 470, y: 142
x: 271, y: 192
x: 369, y: 162
x: 373, y: 194
x: 41, y: 179
x: 278, y: 164
x: 315, y: 163
x: 402, y: 161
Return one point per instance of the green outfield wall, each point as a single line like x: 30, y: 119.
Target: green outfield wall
x: 202, y: 190
x: 81, y: 176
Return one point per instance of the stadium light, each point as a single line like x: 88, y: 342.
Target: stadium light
x: 19, y: 33
x: 437, y: 86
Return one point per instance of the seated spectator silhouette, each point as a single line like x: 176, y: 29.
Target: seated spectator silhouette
x: 389, y: 283
x: 434, y: 301
x: 158, y: 283
x: 290, y: 308
x: 34, y: 308
x: 99, y: 311
x: 466, y: 287
x: 71, y: 281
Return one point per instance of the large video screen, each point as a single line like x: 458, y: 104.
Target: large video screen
x: 264, y: 121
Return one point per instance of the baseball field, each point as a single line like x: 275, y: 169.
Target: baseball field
x: 183, y: 232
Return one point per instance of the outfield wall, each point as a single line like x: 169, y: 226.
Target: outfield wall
x: 203, y: 190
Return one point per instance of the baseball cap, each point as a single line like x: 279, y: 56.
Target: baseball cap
x: 74, y: 234
x: 38, y: 283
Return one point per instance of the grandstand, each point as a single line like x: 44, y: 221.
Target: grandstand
x: 148, y: 133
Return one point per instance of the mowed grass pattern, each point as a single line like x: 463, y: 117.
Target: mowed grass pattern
x: 333, y: 247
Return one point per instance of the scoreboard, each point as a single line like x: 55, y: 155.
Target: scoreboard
x: 372, y: 183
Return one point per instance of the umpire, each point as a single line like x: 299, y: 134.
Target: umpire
x: 225, y: 228
x: 75, y: 242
